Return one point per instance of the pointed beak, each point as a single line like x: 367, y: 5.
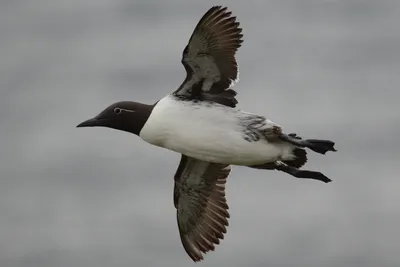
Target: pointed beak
x: 89, y: 123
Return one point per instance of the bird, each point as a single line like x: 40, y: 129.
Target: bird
x: 201, y: 121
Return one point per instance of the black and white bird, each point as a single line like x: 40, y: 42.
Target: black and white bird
x: 200, y: 121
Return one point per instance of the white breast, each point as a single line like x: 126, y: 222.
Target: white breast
x: 206, y: 132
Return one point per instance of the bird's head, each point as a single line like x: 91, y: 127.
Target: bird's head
x: 125, y: 116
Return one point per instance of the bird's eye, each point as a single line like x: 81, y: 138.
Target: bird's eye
x: 117, y: 110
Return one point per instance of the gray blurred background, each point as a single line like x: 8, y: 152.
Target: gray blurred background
x: 98, y: 197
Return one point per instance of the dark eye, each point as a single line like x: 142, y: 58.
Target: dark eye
x: 117, y: 110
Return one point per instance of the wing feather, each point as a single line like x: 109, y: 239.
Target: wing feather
x: 202, y: 211
x: 209, y: 58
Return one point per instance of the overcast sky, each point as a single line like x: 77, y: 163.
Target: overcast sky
x: 97, y: 197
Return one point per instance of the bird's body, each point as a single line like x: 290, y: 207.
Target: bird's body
x: 213, y: 132
x: 200, y: 121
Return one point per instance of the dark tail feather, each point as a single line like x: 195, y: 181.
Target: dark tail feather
x: 300, y: 160
x: 316, y: 145
x: 320, y: 146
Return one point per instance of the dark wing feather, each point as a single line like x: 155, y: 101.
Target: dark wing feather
x: 209, y: 58
x: 202, y: 211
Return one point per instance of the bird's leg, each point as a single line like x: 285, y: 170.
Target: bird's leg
x: 280, y: 166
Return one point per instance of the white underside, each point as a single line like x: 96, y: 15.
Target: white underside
x: 208, y: 132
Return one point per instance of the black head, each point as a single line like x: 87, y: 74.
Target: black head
x: 125, y: 116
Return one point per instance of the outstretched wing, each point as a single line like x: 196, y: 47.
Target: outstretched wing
x: 209, y: 58
x: 199, y: 197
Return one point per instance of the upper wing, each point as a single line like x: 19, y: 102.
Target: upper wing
x: 199, y: 197
x: 209, y: 58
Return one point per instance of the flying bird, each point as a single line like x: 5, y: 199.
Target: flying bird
x: 200, y: 121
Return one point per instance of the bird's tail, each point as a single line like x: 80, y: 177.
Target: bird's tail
x: 316, y: 145
x: 320, y: 146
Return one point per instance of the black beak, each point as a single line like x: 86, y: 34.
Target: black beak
x: 89, y: 123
